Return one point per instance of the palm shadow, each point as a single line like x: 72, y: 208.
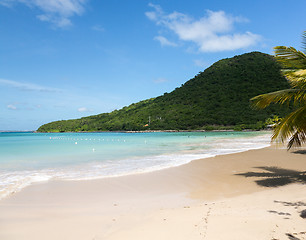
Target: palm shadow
x: 299, y: 152
x: 276, y: 177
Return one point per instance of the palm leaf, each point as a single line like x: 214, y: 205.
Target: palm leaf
x: 293, y: 126
x: 297, y: 139
x: 297, y: 78
x: 304, y: 41
x: 281, y: 97
x: 290, y: 57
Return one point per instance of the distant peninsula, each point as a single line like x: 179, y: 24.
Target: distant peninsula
x: 217, y: 98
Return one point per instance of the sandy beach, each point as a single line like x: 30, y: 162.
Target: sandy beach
x: 257, y: 194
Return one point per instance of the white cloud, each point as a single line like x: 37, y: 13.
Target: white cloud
x: 211, y: 33
x: 27, y: 86
x: 57, y: 12
x: 164, y: 41
x: 229, y: 42
x: 84, y: 109
x: 154, y: 15
x: 11, y: 107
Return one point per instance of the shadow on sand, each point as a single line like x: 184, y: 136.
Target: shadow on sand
x: 276, y: 177
x: 299, y: 152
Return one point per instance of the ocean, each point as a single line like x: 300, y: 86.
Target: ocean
x: 26, y: 158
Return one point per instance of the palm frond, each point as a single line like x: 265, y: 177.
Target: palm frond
x: 297, y: 139
x: 304, y: 41
x: 296, y: 77
x: 281, y: 97
x: 297, y: 80
x: 290, y: 58
x: 291, y: 126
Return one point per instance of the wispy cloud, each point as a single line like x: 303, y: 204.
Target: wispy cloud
x: 12, y: 107
x: 160, y: 80
x: 98, y: 28
x: 6, y: 3
x: 24, y: 106
x: 84, y: 109
x: 164, y: 41
x: 57, y: 12
x: 212, y: 33
x: 27, y: 86
x: 200, y: 63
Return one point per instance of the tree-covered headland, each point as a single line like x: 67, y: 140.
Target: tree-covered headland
x: 217, y: 98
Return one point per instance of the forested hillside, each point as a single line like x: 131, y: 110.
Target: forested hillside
x: 219, y: 96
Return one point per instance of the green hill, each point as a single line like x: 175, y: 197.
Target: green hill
x: 219, y: 96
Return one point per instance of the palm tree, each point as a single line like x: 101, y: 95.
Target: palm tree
x: 293, y: 126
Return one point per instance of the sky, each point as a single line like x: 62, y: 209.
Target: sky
x: 66, y: 59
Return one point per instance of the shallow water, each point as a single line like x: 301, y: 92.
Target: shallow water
x: 32, y: 157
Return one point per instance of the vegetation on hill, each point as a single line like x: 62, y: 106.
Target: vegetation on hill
x: 216, y: 98
x: 293, y: 126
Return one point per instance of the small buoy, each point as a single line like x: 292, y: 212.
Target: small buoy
x: 93, y: 149
x: 76, y: 143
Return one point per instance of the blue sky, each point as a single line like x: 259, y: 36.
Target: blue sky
x: 65, y: 59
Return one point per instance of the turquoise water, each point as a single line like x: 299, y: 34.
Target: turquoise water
x: 32, y: 157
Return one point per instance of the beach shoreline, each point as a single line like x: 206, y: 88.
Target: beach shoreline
x: 87, y: 156
x: 155, y: 131
x: 169, y: 204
